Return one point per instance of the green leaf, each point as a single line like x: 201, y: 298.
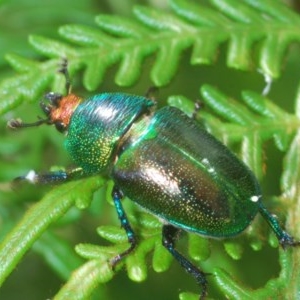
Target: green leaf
x: 50, y: 48
x: 122, y: 27
x: 85, y: 36
x: 21, y: 64
x: 253, y: 35
x: 54, y: 205
x: 128, y: 42
x: 199, y: 248
x: 84, y: 280
x: 162, y: 259
x: 58, y: 254
x: 233, y: 249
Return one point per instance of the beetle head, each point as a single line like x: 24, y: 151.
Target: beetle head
x: 57, y: 108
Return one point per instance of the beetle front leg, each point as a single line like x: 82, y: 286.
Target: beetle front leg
x: 56, y: 177
x: 117, y: 197
x: 169, y: 233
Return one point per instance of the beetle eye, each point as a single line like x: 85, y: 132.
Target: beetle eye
x: 53, y: 98
x: 46, y: 108
x: 60, y: 126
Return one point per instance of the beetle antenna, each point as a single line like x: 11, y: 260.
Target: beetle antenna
x: 18, y: 123
x: 64, y: 70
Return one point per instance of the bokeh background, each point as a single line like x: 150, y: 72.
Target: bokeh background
x: 41, y: 148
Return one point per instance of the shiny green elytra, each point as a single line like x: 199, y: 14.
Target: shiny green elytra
x: 166, y: 163
x: 163, y: 161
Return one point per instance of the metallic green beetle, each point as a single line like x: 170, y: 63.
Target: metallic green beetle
x: 160, y: 159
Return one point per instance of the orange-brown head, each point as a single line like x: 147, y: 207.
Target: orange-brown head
x: 58, y: 110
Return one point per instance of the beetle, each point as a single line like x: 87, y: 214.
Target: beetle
x: 162, y: 160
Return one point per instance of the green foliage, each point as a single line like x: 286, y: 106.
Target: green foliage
x: 172, y: 46
x: 167, y: 36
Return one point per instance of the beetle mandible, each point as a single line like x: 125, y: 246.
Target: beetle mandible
x: 160, y: 159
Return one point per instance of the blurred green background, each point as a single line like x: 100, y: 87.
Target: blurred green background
x: 41, y: 148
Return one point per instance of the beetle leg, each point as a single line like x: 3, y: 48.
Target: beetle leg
x: 56, y: 177
x: 64, y: 70
x: 151, y: 93
x: 285, y: 240
x: 198, y: 105
x: 169, y: 233
x: 117, y: 197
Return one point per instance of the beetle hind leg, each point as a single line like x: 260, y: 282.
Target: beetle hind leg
x: 117, y: 197
x: 169, y: 233
x: 285, y: 240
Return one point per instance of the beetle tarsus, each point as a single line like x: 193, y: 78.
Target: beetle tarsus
x: 117, y: 197
x: 288, y: 241
x: 151, y: 93
x: 64, y: 70
x: 14, y: 123
x: 285, y: 240
x: 18, y: 123
x: 115, y: 260
x: 169, y: 234
x: 17, y: 182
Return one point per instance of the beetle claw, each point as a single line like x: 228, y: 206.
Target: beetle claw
x: 114, y: 261
x: 288, y: 241
x: 14, y: 123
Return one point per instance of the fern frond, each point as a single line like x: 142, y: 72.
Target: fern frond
x: 39, y: 218
x: 258, y: 34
